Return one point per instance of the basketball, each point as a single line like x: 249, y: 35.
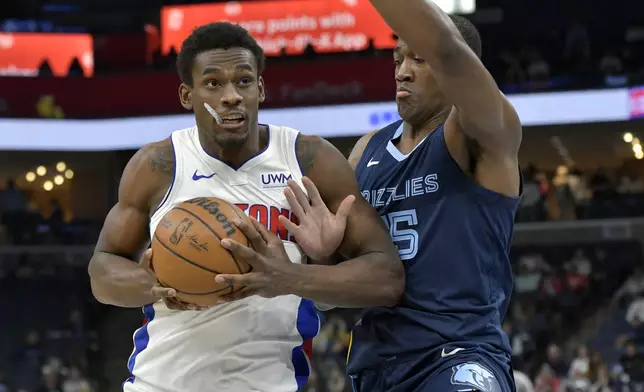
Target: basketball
x: 187, y: 253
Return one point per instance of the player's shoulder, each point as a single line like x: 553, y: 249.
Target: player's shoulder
x: 157, y: 157
x: 360, y: 147
x: 149, y: 172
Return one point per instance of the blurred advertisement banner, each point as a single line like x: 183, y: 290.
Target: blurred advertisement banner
x: 636, y: 96
x: 22, y: 54
x: 320, y: 82
x: 289, y: 25
x: 327, y: 121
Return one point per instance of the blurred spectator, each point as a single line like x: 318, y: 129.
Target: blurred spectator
x: 556, y: 361
x: 546, y: 380
x: 633, y: 287
x: 580, y: 366
x: 13, y: 208
x: 563, y: 194
x: 28, y: 362
x: 633, y: 363
x: 51, y: 380
x: 76, y: 382
x: 523, y: 382
x: 635, y: 313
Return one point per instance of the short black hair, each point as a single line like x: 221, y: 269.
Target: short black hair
x: 218, y: 35
x: 469, y: 33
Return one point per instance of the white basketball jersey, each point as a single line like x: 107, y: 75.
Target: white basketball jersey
x: 255, y: 344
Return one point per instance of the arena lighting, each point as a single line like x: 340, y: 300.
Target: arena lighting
x: 628, y: 137
x: 30, y: 176
x: 61, y: 166
x: 637, y: 148
x: 58, y: 180
x: 639, y: 155
x: 41, y: 170
x: 69, y: 174
x: 48, y: 186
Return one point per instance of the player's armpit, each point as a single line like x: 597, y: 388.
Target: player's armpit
x: 373, y: 274
x: 116, y: 277
x: 483, y: 112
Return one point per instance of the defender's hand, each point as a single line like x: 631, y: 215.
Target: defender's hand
x: 268, y: 260
x: 320, y: 231
x: 166, y: 294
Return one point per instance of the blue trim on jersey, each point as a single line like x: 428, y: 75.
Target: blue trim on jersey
x: 141, y: 339
x: 308, y: 326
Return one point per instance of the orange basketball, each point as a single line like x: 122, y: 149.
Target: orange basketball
x: 187, y: 253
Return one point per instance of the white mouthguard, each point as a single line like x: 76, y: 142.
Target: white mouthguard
x: 213, y: 113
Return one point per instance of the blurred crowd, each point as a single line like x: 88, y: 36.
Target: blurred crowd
x: 558, y: 292
x: 569, y: 194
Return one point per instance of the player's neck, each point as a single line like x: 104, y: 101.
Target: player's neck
x: 414, y: 133
x: 235, y: 156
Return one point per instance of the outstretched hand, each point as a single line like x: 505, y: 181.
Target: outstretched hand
x: 319, y: 232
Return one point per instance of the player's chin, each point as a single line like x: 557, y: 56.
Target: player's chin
x: 227, y: 139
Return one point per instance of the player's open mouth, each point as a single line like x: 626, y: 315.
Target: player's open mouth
x: 233, y: 120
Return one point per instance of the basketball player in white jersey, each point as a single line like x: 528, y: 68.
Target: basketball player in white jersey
x: 254, y: 344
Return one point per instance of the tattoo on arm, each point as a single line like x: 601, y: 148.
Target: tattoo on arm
x: 161, y: 161
x: 306, y: 149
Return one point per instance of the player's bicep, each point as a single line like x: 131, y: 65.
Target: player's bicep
x: 125, y: 232
x: 365, y: 232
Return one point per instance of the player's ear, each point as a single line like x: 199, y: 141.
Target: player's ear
x: 185, y: 96
x: 260, y: 86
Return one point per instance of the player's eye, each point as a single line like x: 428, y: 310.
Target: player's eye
x: 212, y: 83
x: 245, y: 81
x: 398, y: 62
x: 418, y: 60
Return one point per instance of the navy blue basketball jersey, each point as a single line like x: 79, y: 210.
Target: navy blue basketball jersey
x: 453, y: 237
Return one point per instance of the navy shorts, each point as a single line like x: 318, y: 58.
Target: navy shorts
x: 464, y: 372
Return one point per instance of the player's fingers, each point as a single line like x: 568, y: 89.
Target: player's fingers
x: 290, y: 226
x: 267, y: 236
x: 163, y: 292
x: 301, y: 197
x: 243, y: 252
x: 252, y: 233
x: 146, y: 261
x: 237, y: 280
x: 297, y: 209
x: 313, y: 192
x: 345, y: 207
x: 237, y: 295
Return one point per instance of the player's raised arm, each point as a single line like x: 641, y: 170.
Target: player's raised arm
x: 373, y: 274
x: 483, y: 113
x: 116, y: 276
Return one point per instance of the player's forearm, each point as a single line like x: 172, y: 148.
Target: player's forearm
x: 426, y: 28
x: 119, y: 281
x: 373, y: 279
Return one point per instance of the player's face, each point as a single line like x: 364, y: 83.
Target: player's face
x: 228, y: 81
x: 417, y: 94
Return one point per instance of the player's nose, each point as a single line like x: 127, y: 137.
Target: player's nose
x: 231, y: 96
x: 404, y: 72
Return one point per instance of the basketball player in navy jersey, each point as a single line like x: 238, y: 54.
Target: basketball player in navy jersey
x: 446, y: 182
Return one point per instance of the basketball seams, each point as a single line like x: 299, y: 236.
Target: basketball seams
x: 212, y: 231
